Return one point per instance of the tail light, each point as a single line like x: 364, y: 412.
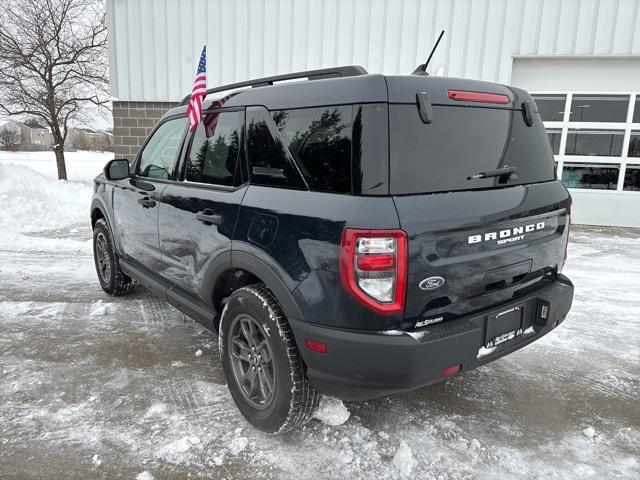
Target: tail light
x: 480, y: 97
x: 373, y: 268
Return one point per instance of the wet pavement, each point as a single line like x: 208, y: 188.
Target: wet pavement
x: 99, y: 387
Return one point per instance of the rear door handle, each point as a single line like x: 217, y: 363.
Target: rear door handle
x: 146, y: 202
x: 209, y: 217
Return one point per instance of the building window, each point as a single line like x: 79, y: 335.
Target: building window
x: 634, y: 144
x: 603, y: 143
x: 632, y: 178
x: 589, y: 143
x: 600, y: 177
x: 599, y: 108
x: 554, y: 135
x: 551, y: 107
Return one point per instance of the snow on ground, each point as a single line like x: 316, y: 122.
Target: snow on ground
x: 81, y: 166
x: 97, y: 386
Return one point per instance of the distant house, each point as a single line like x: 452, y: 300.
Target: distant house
x: 41, y: 137
x: 26, y: 138
x: 88, y: 139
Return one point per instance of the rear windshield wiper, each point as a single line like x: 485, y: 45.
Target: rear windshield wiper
x: 504, y: 173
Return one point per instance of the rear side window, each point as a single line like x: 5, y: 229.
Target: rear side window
x: 215, y: 149
x: 161, y: 151
x: 462, y: 142
x: 319, y: 139
x: 269, y: 164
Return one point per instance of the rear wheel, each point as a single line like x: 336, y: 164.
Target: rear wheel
x: 262, y: 364
x: 112, y: 279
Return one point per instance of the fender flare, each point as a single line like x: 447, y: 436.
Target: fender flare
x: 98, y: 204
x: 274, y: 278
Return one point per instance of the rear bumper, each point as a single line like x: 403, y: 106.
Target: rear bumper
x: 363, y: 365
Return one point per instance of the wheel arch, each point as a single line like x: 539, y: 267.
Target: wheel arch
x: 100, y: 211
x: 237, y: 269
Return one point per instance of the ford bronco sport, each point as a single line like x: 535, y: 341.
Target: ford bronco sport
x: 355, y: 235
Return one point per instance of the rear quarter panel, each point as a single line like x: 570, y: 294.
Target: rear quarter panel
x: 299, y: 234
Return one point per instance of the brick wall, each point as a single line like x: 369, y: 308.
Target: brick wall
x: 132, y: 122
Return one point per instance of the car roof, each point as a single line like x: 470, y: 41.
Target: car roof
x: 359, y: 89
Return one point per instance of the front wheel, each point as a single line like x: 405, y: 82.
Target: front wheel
x: 112, y: 279
x: 262, y: 364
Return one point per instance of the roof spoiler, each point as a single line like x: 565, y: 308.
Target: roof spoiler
x: 345, y: 71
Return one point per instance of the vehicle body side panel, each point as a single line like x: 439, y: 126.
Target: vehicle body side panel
x: 301, y: 232
x: 188, y: 244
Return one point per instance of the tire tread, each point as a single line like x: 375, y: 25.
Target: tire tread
x: 305, y: 398
x: 121, y: 284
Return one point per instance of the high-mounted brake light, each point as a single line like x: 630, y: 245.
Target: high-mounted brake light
x: 373, y: 268
x: 480, y: 97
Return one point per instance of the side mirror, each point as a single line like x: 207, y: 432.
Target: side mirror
x: 117, y: 169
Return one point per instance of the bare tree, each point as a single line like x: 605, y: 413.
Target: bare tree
x: 53, y: 62
x: 9, y: 137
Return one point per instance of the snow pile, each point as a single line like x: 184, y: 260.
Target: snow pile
x: 100, y: 309
x: 332, y: 411
x: 403, y: 459
x: 237, y: 445
x: 146, y: 475
x: 174, y: 451
x: 30, y: 201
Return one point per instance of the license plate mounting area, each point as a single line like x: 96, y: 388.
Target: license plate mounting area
x: 504, y: 326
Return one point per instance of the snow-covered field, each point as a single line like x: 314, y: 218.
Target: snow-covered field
x: 93, y: 386
x: 81, y: 166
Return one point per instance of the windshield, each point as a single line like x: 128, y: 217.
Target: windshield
x: 462, y: 142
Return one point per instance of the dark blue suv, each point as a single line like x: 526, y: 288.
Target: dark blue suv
x: 352, y: 234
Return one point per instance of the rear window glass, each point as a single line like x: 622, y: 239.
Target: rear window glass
x: 319, y: 140
x: 462, y: 142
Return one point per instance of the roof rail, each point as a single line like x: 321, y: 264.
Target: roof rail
x: 345, y: 71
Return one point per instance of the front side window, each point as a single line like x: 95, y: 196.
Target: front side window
x: 161, y: 151
x: 269, y: 164
x: 319, y: 139
x: 215, y: 149
x: 599, y: 177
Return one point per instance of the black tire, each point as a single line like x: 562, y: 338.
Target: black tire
x: 293, y: 400
x: 112, y: 279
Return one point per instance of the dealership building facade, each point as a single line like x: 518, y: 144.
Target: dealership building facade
x: 580, y: 59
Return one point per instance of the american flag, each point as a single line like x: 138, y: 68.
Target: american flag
x: 194, y: 110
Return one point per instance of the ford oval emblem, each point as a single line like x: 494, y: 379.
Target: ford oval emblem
x: 431, y: 283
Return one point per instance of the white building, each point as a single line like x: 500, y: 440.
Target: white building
x: 580, y: 57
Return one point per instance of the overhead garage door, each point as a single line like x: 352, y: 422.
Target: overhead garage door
x: 591, y: 109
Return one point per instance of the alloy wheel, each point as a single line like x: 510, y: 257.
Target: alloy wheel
x: 252, y: 361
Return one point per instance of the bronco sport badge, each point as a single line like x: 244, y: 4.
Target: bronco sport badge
x: 507, y: 235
